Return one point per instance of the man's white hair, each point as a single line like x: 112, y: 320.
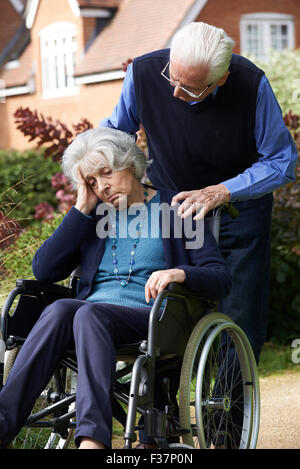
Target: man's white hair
x: 204, y: 45
x: 100, y: 147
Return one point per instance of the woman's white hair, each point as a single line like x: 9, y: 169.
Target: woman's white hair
x: 204, y: 45
x: 100, y: 147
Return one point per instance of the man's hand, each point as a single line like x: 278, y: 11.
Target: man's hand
x: 86, y: 198
x: 204, y: 200
x: 160, y: 279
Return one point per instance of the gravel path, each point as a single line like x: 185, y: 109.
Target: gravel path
x: 280, y: 412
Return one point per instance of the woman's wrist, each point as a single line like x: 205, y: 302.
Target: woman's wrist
x: 83, y: 208
x: 180, y: 275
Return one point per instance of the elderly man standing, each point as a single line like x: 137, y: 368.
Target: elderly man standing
x: 215, y: 134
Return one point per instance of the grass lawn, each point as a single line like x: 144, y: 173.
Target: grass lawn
x: 276, y: 359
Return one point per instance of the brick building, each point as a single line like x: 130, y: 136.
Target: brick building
x: 64, y: 57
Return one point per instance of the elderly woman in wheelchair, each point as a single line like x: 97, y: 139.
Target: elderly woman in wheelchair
x: 132, y: 286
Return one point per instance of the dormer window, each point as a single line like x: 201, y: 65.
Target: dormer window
x: 263, y: 32
x: 58, y: 53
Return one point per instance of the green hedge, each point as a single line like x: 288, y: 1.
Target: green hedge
x: 25, y: 181
x: 283, y: 72
x: 284, y: 310
x: 15, y: 261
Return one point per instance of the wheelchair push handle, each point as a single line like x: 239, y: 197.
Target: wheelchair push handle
x: 214, y: 218
x: 232, y: 210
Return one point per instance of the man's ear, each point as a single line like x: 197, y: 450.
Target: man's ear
x: 223, y: 79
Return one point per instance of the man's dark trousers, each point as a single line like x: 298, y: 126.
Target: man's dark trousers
x: 245, y: 244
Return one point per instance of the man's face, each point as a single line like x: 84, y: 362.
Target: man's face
x: 193, y: 79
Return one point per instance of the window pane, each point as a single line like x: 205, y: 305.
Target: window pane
x: 279, y: 36
x: 56, y: 72
x: 254, y: 39
x: 274, y: 29
x: 58, y: 56
x: 65, y: 70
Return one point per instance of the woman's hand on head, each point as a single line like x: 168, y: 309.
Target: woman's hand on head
x: 86, y: 198
x: 160, y: 279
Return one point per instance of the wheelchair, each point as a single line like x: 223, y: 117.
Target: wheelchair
x: 210, y: 353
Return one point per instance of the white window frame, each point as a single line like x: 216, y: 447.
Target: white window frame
x: 264, y: 21
x: 58, y: 48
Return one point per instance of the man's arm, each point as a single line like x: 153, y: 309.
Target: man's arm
x: 274, y: 142
x: 124, y: 116
x: 59, y: 255
x: 273, y: 169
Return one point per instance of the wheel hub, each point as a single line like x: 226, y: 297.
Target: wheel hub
x: 226, y: 404
x: 217, y: 403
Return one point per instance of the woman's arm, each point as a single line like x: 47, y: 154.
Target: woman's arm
x: 59, y: 255
x: 207, y: 273
x: 160, y: 279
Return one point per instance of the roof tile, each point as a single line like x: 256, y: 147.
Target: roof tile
x: 136, y: 29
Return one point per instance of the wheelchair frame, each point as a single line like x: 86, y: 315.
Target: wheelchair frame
x: 147, y: 358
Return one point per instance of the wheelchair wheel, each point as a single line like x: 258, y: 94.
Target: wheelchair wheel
x: 38, y: 434
x: 219, y: 389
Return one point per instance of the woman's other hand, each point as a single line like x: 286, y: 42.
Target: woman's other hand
x: 160, y: 279
x: 86, y: 197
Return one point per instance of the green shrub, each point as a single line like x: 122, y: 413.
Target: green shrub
x: 15, y: 261
x: 284, y: 310
x: 25, y: 182
x: 283, y: 72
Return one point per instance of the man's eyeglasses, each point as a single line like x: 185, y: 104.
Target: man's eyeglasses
x: 175, y: 84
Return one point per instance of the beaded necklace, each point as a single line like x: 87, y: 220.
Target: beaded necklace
x: 123, y: 283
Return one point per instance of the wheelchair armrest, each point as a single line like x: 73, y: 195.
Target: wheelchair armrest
x: 43, y: 287
x: 33, y: 296
x: 181, y: 289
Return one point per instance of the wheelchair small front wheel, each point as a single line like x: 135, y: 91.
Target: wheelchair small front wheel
x: 219, y: 389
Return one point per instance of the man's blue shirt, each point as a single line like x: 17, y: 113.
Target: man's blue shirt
x: 274, y: 142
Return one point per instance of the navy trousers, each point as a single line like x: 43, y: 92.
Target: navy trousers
x: 96, y: 330
x: 245, y: 243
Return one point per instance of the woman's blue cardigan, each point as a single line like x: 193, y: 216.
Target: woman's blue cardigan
x: 75, y: 242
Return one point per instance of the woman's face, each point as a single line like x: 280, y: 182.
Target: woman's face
x: 113, y: 186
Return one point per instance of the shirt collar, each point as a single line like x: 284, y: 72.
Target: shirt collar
x: 210, y: 96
